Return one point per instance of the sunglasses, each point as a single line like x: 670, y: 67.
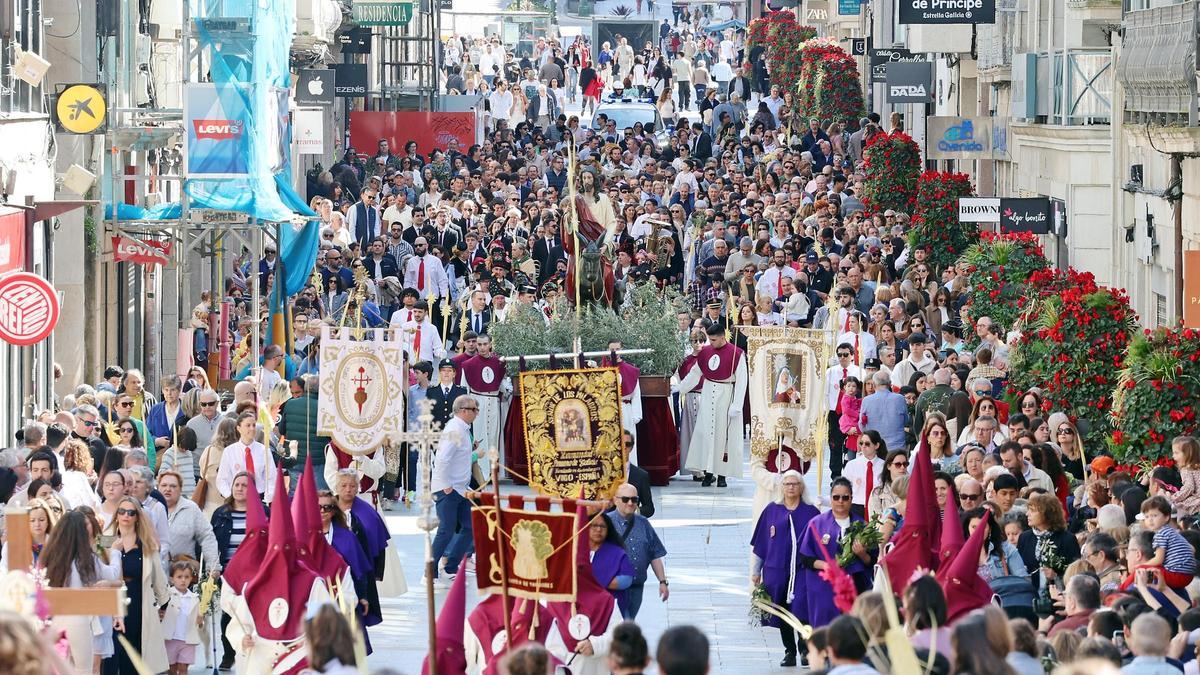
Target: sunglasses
x: 328, y: 508
x: 900, y: 464
x: 470, y: 409
x: 840, y: 498
x: 125, y: 404
x: 90, y: 424
x: 207, y: 404
x: 126, y: 430
x: 966, y: 497
x: 1066, y: 431
x: 630, y: 500
x: 843, y: 355
x: 127, y: 512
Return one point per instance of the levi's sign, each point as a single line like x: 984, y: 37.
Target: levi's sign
x: 947, y: 11
x: 218, y: 130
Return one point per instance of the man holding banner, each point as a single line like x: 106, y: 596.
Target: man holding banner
x: 716, y: 449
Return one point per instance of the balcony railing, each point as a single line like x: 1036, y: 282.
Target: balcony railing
x: 1157, y: 64
x: 1082, y: 88
x: 995, y: 42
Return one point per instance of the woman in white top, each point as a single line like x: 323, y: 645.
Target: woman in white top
x: 520, y: 103
x: 112, y: 490
x: 71, y: 561
x: 79, y: 469
x: 40, y: 523
x: 666, y: 107
x: 639, y: 74
x: 330, y: 642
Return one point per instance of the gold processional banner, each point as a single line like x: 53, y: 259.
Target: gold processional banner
x: 787, y: 385
x: 363, y: 385
x: 573, y: 431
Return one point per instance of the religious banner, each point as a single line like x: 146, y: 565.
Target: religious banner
x: 787, y: 383
x: 538, y: 549
x: 363, y: 382
x: 572, y: 422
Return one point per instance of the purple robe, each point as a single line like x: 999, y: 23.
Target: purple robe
x: 372, y: 535
x: 347, y: 546
x: 609, y: 562
x: 775, y: 541
x: 821, y: 609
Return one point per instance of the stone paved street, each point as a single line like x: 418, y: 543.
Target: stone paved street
x: 706, y: 532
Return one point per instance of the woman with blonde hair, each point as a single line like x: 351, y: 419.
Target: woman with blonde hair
x: 1067, y: 436
x: 206, y: 495
x: 41, y: 521
x: 146, y: 588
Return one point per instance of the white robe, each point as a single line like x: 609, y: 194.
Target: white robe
x: 597, y: 663
x: 489, y: 423
x: 631, y: 414
x: 261, y: 658
x: 718, y: 433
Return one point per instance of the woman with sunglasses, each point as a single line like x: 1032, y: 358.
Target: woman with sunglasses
x: 882, y: 497
x: 985, y: 406
x: 774, y: 560
x: 1067, y: 436
x: 823, y: 533
x: 338, y: 534
x: 145, y: 589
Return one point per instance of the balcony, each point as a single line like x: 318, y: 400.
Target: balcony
x: 994, y: 42
x: 1082, y: 90
x: 1157, y: 64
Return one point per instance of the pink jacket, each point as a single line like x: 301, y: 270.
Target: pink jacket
x: 850, y: 406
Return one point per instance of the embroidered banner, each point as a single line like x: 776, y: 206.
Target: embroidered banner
x: 573, y: 431
x: 538, y: 549
x: 363, y: 383
x: 787, y: 381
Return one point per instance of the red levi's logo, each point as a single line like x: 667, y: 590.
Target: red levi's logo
x: 218, y: 130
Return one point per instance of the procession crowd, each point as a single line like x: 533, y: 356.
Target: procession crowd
x: 756, y: 220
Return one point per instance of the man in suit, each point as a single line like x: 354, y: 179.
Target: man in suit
x: 701, y: 145
x: 445, y: 235
x: 547, y: 251
x: 364, y: 218
x: 639, y: 478
x: 444, y: 392
x: 477, y: 316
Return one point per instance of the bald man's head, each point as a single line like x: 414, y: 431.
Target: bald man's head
x: 627, y: 500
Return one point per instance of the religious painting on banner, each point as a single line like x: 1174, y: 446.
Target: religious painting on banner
x: 786, y: 368
x: 363, y: 382
x: 573, y: 430
x: 538, y: 548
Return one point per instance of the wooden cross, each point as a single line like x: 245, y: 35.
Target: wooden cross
x: 63, y: 601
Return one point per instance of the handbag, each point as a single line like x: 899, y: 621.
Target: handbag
x: 200, y: 494
x: 1013, y: 591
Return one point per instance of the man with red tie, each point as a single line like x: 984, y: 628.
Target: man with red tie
x: 424, y: 340
x: 716, y: 447
x: 864, y: 473
x: 426, y: 273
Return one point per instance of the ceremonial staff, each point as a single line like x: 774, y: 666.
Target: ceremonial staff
x: 425, y: 441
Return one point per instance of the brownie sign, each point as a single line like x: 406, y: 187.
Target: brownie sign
x: 1025, y: 215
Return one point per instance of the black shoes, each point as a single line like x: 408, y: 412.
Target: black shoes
x: 708, y: 480
x: 789, y: 660
x: 721, y: 481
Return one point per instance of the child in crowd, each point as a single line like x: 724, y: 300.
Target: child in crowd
x: 1173, y: 555
x: 1185, y: 450
x: 181, y: 618
x: 850, y: 404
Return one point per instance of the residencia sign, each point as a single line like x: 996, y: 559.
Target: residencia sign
x: 948, y: 11
x: 387, y: 13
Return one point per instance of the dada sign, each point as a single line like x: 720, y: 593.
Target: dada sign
x: 910, y: 82
x: 1025, y: 214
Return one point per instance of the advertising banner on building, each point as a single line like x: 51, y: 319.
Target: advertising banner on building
x: 141, y: 251
x: 1025, y: 214
x: 880, y: 58
x: 216, y: 144
x: 536, y: 548
x: 958, y: 138
x: 350, y: 80
x: 849, y: 7
x: 979, y: 209
x: 910, y: 82
x: 308, y: 130
x: 947, y: 11
x: 1191, y: 289
x: 12, y: 240
x: 315, y: 87
x: 429, y: 130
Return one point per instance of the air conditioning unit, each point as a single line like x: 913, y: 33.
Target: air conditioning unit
x: 316, y: 21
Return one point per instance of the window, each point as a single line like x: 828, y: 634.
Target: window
x: 21, y: 21
x: 1160, y: 311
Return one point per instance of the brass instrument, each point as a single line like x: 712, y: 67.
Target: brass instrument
x: 659, y: 243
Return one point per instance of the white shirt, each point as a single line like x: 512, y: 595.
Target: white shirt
x: 436, y: 283
x: 833, y: 381
x: 233, y: 462
x: 772, y: 279
x: 452, y: 463
x: 423, y: 345
x: 865, y: 345
x: 856, y: 472
x: 186, y: 602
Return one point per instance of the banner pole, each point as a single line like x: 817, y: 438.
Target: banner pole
x: 502, y: 558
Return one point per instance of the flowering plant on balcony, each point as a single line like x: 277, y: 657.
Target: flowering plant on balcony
x: 1073, y: 346
x: 1001, y: 265
x: 1156, y: 394
x: 893, y: 166
x: 935, y: 224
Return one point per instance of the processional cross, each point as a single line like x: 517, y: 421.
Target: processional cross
x: 424, y: 439
x: 62, y: 601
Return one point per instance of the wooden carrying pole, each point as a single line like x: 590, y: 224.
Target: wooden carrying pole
x: 63, y: 601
